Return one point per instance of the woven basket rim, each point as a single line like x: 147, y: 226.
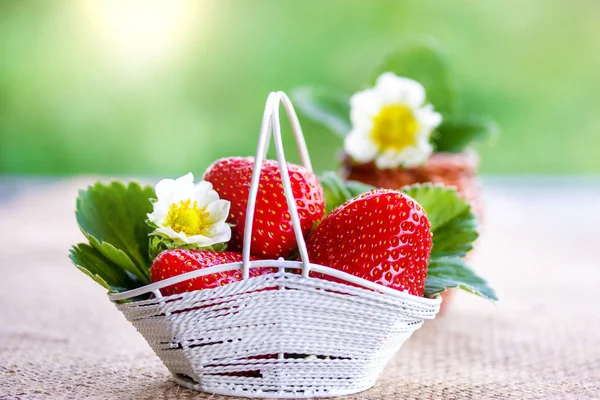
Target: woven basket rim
x: 154, y: 288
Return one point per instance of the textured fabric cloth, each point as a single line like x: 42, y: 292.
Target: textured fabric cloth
x: 61, y: 338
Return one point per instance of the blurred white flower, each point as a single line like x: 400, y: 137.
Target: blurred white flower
x: 391, y: 124
x: 190, y: 213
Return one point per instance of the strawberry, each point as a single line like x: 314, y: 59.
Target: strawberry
x: 383, y: 236
x: 272, y: 231
x: 175, y: 262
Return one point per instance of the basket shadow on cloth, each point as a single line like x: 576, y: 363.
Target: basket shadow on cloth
x: 280, y: 335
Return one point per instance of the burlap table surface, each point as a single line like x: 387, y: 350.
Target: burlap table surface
x: 60, y: 337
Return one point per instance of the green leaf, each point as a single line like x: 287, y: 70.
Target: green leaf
x: 337, y: 191
x: 117, y: 256
x: 426, y: 63
x: 334, y: 190
x: 453, y: 225
x: 441, y: 203
x: 357, y: 188
x: 456, y: 133
x: 454, y: 228
x: 455, y: 239
x: 91, y: 262
x: 325, y: 106
x: 452, y: 272
x: 113, y: 217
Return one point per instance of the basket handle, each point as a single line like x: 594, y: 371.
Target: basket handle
x: 270, y: 122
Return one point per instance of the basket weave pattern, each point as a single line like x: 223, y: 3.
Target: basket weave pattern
x: 285, y: 334
x: 261, y: 336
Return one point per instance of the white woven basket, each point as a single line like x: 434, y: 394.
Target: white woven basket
x: 281, y: 335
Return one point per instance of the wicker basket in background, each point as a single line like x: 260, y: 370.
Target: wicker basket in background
x: 451, y: 169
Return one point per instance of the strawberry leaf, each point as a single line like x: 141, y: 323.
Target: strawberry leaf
x: 453, y: 225
x: 108, y: 274
x: 456, y: 133
x: 325, y: 106
x: 337, y: 191
x: 357, y: 188
x: 441, y: 203
x: 453, y: 272
x: 112, y: 217
x: 454, y: 229
x: 456, y: 237
x: 116, y: 256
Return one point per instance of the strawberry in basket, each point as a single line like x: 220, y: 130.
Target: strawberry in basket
x: 383, y: 236
x: 373, y: 236
x: 175, y: 262
x: 272, y: 232
x: 413, y: 240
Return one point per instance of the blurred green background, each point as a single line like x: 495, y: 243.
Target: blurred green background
x: 164, y: 87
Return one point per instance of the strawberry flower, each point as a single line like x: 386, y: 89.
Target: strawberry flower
x: 189, y: 214
x: 391, y: 124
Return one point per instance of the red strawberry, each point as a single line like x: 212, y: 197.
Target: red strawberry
x: 383, y: 236
x: 175, y: 262
x: 272, y: 232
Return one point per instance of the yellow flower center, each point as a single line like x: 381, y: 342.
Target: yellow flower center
x: 187, y: 218
x: 395, y: 127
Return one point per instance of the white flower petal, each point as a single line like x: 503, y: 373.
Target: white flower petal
x: 218, y: 211
x: 388, y: 159
x: 202, y: 241
x: 415, y: 156
x: 409, y: 157
x: 427, y: 117
x: 204, y: 194
x: 172, y: 191
x: 164, y: 188
x: 185, y: 179
x: 360, y: 147
x: 389, y: 89
x: 168, y: 232
x: 159, y: 215
x: 392, y: 89
x: 363, y: 107
x: 180, y: 237
x: 220, y: 233
x: 217, y: 233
